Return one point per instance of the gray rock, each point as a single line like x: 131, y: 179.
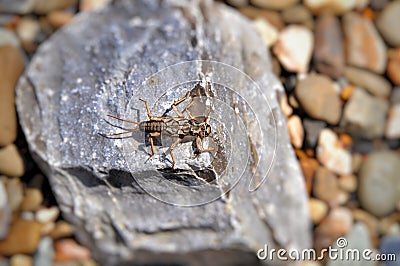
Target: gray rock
x: 373, y: 83
x: 356, y: 239
x: 100, y: 64
x: 365, y: 115
x: 37, y: 6
x: 387, y: 21
x: 379, y: 189
x: 390, y: 245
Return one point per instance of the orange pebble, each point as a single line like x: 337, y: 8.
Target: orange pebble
x: 368, y: 13
x: 347, y: 92
x: 346, y: 140
x: 69, y: 250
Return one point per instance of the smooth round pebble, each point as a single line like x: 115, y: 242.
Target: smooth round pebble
x: 269, y: 34
x: 59, y: 18
x: 45, y: 253
x: 14, y: 188
x: 274, y: 4
x: 365, y: 115
x: 318, y: 210
x: 379, y: 188
x: 365, y: 47
x: 373, y: 83
x: 298, y: 14
x: 11, y: 162
x: 393, y: 66
x: 393, y: 123
x: 329, y: 55
x: 68, y: 249
x: 316, y: 94
x: 47, y: 214
x: 332, y: 155
x: 326, y: 185
x: 273, y: 17
x: 11, y: 67
x: 62, y: 229
x: 23, y: 237
x: 337, y: 7
x: 294, y: 48
x: 86, y: 5
x: 338, y: 223
x: 32, y: 199
x: 21, y: 260
x: 388, y: 21
x: 370, y: 221
x: 296, y: 131
x: 348, y: 183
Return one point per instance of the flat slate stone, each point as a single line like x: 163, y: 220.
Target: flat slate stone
x: 129, y: 210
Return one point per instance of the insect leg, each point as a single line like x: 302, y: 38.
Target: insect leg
x: 171, y: 148
x: 175, y: 103
x: 147, y: 108
x: 152, y: 148
x: 125, y: 120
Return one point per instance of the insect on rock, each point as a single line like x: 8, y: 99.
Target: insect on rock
x: 182, y: 128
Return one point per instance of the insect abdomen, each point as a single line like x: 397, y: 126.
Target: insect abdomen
x: 152, y: 126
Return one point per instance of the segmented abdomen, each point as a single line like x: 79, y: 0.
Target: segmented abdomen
x: 152, y: 126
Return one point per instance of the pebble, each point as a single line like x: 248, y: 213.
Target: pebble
x: 365, y: 48
x: 386, y: 21
x: 46, y: 215
x: 8, y: 37
x: 356, y: 160
x: 348, y: 183
x: 47, y: 228
x: 5, y: 213
x: 21, y: 260
x: 32, y: 200
x: 329, y: 55
x: 44, y: 6
x: 268, y: 33
x: 62, y: 229
x: 294, y: 48
x: 298, y: 14
x: 274, y: 4
x: 296, y: 131
x: 15, y: 192
x: 393, y: 66
x: 391, y: 245
x: 356, y: 239
x: 235, y: 3
x: 45, y: 253
x: 395, y: 97
x: 378, y: 5
x: 317, y: 96
x: 86, y: 5
x: 27, y: 30
x: 68, y: 249
x: 373, y: 83
x: 326, y: 186
x: 337, y: 7
x: 59, y: 18
x: 23, y: 237
x: 338, y: 223
x: 379, y: 189
x: 365, y: 115
x: 332, y: 155
x: 11, y: 67
x: 273, y: 17
x: 308, y: 167
x: 11, y: 162
x: 370, y: 221
x: 287, y: 110
x: 393, y: 124
x: 312, y: 129
x: 318, y: 210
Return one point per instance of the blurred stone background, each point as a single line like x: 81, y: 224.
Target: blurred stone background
x: 339, y: 62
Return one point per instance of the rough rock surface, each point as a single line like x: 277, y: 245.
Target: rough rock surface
x: 94, y: 67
